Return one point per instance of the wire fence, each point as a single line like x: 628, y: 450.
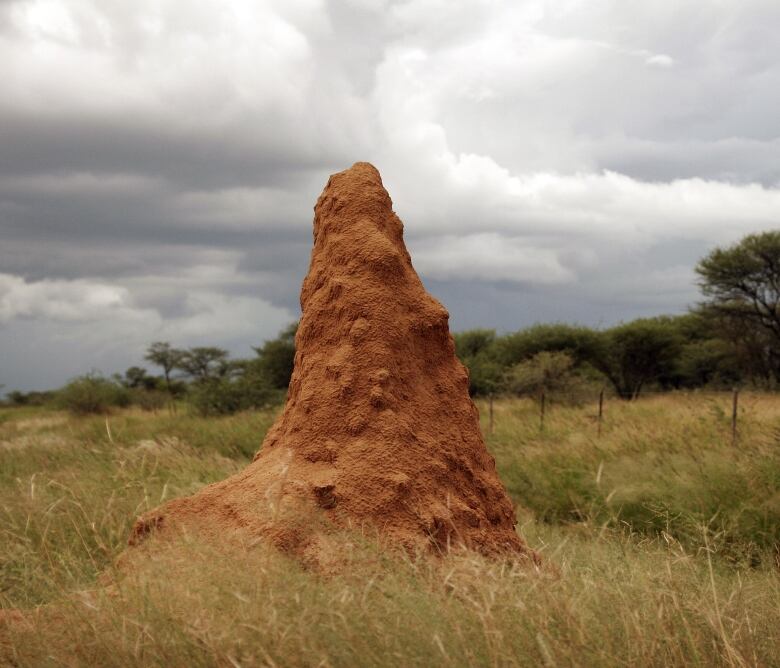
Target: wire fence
x: 602, y: 397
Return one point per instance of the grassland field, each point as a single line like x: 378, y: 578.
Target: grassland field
x: 665, y: 536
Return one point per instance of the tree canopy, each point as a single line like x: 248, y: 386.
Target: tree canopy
x: 743, y: 280
x: 276, y: 358
x: 160, y: 353
x: 741, y: 284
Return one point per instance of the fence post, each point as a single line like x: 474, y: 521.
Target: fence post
x: 490, y: 420
x: 734, y: 413
x: 541, y: 412
x: 601, y: 410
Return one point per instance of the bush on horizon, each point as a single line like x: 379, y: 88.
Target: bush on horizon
x: 92, y: 393
x: 225, y: 396
x: 555, y: 374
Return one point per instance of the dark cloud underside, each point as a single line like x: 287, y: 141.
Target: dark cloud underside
x: 552, y: 161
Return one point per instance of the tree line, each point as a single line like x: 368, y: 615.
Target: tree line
x: 731, y: 338
x: 203, y: 376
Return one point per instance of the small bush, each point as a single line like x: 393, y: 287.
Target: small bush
x: 224, y: 396
x: 276, y: 358
x: 553, y: 373
x: 149, y: 400
x: 17, y: 398
x: 476, y: 350
x: 92, y: 394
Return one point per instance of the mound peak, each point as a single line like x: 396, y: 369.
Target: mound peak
x: 378, y: 429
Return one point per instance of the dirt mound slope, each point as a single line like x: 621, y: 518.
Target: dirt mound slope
x: 378, y: 429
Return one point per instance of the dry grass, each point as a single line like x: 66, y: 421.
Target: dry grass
x: 663, y: 466
x: 649, y: 574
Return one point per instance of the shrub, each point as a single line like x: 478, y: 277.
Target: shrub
x: 485, y: 375
x: 555, y: 374
x: 276, y: 357
x: 476, y: 349
x: 17, y: 398
x: 707, y: 363
x: 137, y: 378
x: 223, y: 396
x: 640, y: 353
x: 582, y: 344
x: 149, y: 400
x: 473, y: 341
x: 92, y: 394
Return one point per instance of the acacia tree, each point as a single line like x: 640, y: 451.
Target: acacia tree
x: 136, y: 377
x: 205, y: 363
x: 163, y: 355
x: 637, y: 353
x: 742, y: 284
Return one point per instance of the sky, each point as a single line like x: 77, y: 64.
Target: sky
x: 566, y: 160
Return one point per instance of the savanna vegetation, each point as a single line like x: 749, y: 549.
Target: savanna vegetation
x: 661, y: 535
x: 659, y: 526
x: 731, y: 339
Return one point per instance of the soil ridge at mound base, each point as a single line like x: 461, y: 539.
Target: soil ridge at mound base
x: 378, y: 429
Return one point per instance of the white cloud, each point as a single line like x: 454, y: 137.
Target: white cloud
x: 551, y: 228
x: 489, y: 257
x: 474, y: 215
x: 60, y: 300
x: 241, y: 74
x: 660, y: 60
x: 205, y: 312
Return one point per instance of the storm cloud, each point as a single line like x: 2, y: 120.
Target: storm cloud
x: 552, y: 160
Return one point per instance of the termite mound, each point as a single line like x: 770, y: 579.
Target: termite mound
x: 378, y: 429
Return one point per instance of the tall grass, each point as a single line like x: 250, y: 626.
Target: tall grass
x: 661, y: 530
x: 663, y: 466
x: 70, y: 488
x: 618, y: 601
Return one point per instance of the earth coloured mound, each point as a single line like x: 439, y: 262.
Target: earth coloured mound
x: 378, y: 430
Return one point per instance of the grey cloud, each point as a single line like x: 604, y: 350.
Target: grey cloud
x: 735, y: 160
x: 194, y: 159
x: 175, y: 153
